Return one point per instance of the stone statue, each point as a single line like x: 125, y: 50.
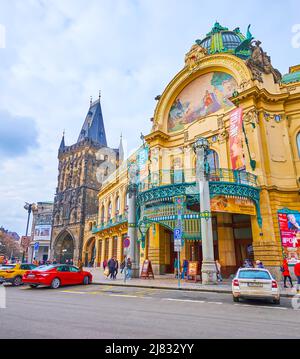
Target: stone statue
x: 196, y: 53
x: 260, y: 62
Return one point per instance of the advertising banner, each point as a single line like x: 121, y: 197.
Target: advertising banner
x: 289, y: 226
x: 235, y: 134
x: 42, y: 232
x: 142, y: 163
x: 233, y: 205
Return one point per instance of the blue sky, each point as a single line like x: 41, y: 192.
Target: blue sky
x: 60, y: 52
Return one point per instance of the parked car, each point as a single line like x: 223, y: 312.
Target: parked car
x: 56, y: 275
x: 13, y: 273
x: 255, y: 283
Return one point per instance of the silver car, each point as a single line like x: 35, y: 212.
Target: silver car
x: 255, y: 283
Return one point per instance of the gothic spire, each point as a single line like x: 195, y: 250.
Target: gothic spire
x: 62, y: 143
x: 121, y: 150
x: 93, y: 127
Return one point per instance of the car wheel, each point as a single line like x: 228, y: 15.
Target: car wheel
x: 55, y: 283
x: 276, y: 301
x: 33, y: 285
x: 86, y: 280
x: 236, y: 299
x: 17, y: 281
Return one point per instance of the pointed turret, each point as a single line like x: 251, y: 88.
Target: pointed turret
x: 93, y: 127
x: 62, y: 143
x: 121, y: 150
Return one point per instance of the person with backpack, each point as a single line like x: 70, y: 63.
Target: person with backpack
x: 286, y: 273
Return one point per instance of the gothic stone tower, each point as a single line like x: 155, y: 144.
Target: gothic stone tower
x: 78, y: 185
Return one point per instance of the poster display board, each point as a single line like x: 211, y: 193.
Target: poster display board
x: 289, y: 226
x: 147, y: 271
x: 192, y: 270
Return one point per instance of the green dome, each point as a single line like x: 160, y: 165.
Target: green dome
x: 221, y: 39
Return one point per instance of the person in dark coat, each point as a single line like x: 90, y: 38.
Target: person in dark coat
x: 116, y: 268
x: 111, y: 267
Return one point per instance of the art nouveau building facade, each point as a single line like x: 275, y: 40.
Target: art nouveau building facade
x: 229, y: 93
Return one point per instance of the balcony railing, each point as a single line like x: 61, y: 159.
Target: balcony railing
x: 167, y: 177
x: 120, y: 218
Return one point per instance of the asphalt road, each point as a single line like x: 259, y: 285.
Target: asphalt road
x: 96, y: 311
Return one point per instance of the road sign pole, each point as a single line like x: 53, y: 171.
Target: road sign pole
x: 178, y: 268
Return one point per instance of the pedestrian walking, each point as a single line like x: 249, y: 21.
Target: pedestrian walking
x: 185, y: 265
x: 116, y: 268
x: 286, y: 273
x: 111, y: 267
x: 104, y: 264
x: 176, y: 267
x: 129, y: 269
x: 54, y: 261
x: 218, y: 268
x: 259, y: 264
x: 123, y: 264
x: 80, y: 265
x: 297, y: 274
x: 71, y: 261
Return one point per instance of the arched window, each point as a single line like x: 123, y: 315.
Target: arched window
x: 109, y: 211
x: 298, y: 143
x: 117, y: 205
x: 213, y: 160
x: 102, y: 214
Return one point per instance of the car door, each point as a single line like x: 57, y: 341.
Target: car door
x: 64, y: 274
x: 75, y: 275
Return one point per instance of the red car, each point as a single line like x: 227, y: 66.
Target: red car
x: 56, y: 275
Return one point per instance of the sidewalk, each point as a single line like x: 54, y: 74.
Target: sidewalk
x: 167, y: 281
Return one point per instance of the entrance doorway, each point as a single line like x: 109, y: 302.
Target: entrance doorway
x: 243, y: 242
x: 64, y: 248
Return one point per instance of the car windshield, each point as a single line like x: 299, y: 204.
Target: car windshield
x: 43, y: 268
x: 254, y: 274
x: 7, y: 266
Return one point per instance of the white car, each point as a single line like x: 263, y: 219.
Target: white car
x: 255, y: 283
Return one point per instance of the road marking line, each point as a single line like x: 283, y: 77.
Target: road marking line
x: 214, y: 302
x: 72, y: 292
x: 260, y: 306
x: 184, y: 300
x: 123, y: 295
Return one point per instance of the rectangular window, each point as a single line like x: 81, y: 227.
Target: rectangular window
x: 115, y: 246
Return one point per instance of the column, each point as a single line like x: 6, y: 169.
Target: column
x: 96, y: 264
x: 132, y: 230
x: 208, y: 268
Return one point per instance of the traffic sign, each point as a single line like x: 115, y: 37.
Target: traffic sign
x: 36, y: 246
x: 177, y: 233
x: 126, y: 242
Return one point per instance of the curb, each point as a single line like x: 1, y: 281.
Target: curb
x: 224, y: 291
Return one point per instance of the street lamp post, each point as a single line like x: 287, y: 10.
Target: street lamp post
x: 208, y: 269
x: 29, y: 207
